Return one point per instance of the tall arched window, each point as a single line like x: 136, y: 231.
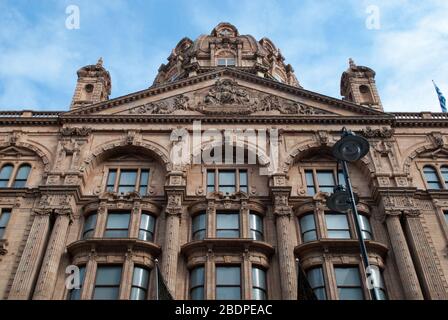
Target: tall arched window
x: 22, y: 176
x: 5, y: 175
x: 432, y: 179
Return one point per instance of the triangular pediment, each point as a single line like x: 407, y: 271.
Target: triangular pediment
x: 225, y: 92
x: 14, y: 151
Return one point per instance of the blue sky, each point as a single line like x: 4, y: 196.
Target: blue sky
x: 39, y: 56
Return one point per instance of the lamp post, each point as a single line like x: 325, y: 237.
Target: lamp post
x: 350, y: 148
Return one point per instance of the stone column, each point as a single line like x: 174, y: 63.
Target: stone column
x: 55, y: 249
x: 403, y: 257
x: 433, y: 281
x: 170, y: 251
x: 283, y: 215
x: 30, y: 261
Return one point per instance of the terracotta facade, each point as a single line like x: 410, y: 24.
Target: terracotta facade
x: 224, y: 81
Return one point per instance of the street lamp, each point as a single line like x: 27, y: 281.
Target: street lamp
x: 350, y: 148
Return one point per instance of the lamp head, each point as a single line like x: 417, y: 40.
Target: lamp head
x: 350, y: 147
x: 340, y: 200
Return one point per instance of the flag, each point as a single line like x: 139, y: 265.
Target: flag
x: 162, y: 291
x: 442, y: 99
x: 304, y: 289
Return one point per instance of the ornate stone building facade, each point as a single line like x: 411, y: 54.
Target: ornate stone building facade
x: 95, y: 186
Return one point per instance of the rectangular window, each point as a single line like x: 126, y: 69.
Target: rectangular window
x: 348, y: 281
x: 117, y: 224
x: 228, y: 283
x: 224, y: 62
x: 140, y: 282
x: 256, y: 226
x: 337, y: 226
x: 111, y: 180
x: 210, y: 180
x: 316, y: 279
x: 197, y: 281
x: 308, y: 228
x: 75, y: 294
x: 326, y: 180
x: 259, y: 288
x: 5, y: 214
x: 227, y: 224
x: 127, y: 181
x: 227, y: 181
x: 198, y: 226
x: 144, y: 180
x: 147, y: 226
x: 107, y: 283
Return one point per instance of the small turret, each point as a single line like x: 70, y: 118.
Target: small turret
x: 93, y: 86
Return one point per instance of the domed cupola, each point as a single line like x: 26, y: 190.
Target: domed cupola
x: 225, y: 47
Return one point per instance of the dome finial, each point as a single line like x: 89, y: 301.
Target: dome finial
x: 352, y: 64
x: 100, y: 62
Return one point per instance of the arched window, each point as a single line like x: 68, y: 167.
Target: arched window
x: 5, y: 175
x: 444, y: 172
x: 22, y: 176
x: 432, y: 179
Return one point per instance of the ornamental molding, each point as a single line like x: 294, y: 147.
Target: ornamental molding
x: 75, y: 131
x: 383, y: 133
x: 227, y: 97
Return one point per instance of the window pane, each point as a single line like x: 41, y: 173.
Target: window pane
x: 89, y: 226
x: 445, y: 213
x: 227, y: 178
x: 431, y: 178
x: 227, y: 189
x: 444, y: 171
x: 109, y: 293
x: 315, y: 277
x: 5, y: 174
x: 22, y: 173
x: 4, y: 217
x: 198, y: 226
x: 210, y: 180
x: 310, y: 183
x: 351, y: 294
x: 230, y: 61
x: 138, y: 294
x: 320, y: 294
x: 111, y: 180
x: 347, y: 277
x: 127, y: 182
x: 228, y: 293
x: 365, y: 227
x: 197, y: 277
x: 307, y: 223
x: 109, y: 275
x: 227, y: 233
x: 118, y: 220
x: 147, y: 226
x: 227, y: 220
x: 258, y: 294
x: 197, y: 293
x: 256, y: 226
x: 336, y: 221
x: 338, y: 234
x: 140, y: 278
x: 309, y: 236
x: 259, y: 278
x: 144, y: 176
x: 325, y: 178
x: 228, y: 276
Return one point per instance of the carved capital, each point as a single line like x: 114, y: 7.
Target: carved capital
x: 412, y: 213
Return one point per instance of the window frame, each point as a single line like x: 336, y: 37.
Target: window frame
x: 108, y: 286
x: 324, y: 166
x: 253, y: 285
x: 226, y: 60
x: 151, y: 232
x: 191, y: 288
x: 252, y: 230
x: 361, y: 286
x: 434, y: 170
x: 115, y: 211
x: 8, y: 180
x: 315, y: 230
x: 193, y: 231
x: 118, y: 169
x: 146, y: 290
x: 241, y: 279
x: 327, y: 229
x: 323, y: 285
x: 15, y: 180
x: 227, y: 212
x: 83, y: 231
x: 237, y: 172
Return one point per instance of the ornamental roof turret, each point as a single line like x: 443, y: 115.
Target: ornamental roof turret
x: 225, y: 47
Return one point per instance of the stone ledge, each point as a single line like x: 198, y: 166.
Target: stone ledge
x: 227, y: 245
